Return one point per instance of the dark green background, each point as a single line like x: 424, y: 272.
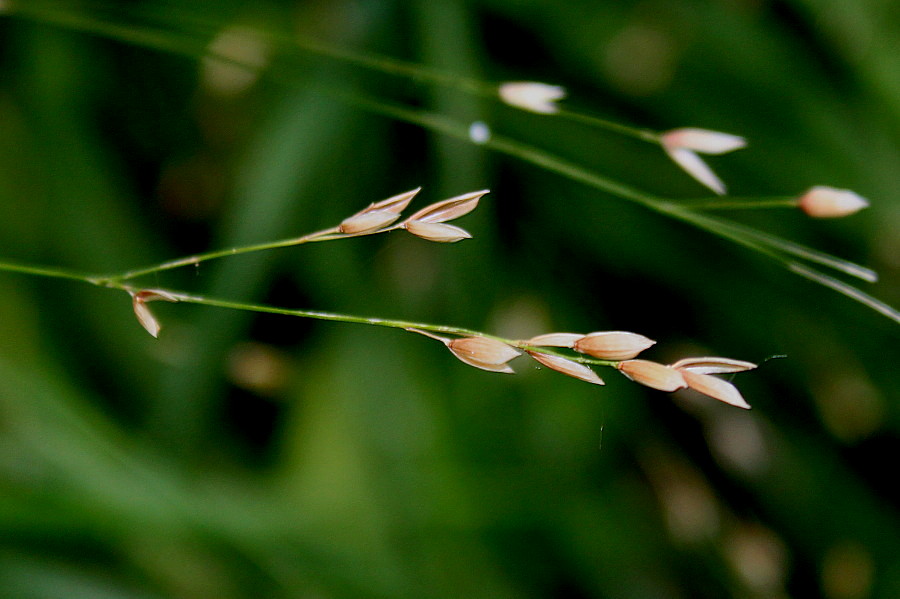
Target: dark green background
x: 368, y: 462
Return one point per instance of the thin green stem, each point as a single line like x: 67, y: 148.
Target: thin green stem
x: 373, y: 321
x: 733, y: 203
x: 45, y: 271
x: 119, y: 282
x: 374, y: 62
x: 627, y: 130
x: 750, y: 238
x: 213, y: 255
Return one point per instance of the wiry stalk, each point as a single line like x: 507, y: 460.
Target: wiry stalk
x: 685, y: 141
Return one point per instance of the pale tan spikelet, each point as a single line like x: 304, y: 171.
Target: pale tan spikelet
x: 439, y: 232
x: 828, y: 202
x: 449, y: 209
x: 532, y: 96
x: 682, y: 144
x: 480, y: 352
x: 696, y: 168
x: 378, y: 215
x: 612, y: 345
x: 566, y: 366
x: 713, y: 365
x: 703, y: 140
x: 483, y: 349
x: 555, y: 340
x: 397, y: 203
x: 651, y: 374
x: 367, y: 222
x: 142, y: 312
x: 715, y: 388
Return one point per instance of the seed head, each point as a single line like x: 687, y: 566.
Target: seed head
x: 651, y: 374
x: 612, y: 345
x: 532, y: 96
x: 828, y: 202
x: 682, y: 144
x: 568, y: 367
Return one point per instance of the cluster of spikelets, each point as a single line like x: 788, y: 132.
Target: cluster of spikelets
x: 617, y: 349
x: 684, y: 145
x: 429, y: 223
x: 611, y: 348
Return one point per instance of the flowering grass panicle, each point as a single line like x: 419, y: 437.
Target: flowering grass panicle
x: 494, y: 354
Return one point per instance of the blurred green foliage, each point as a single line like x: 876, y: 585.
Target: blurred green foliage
x: 246, y: 455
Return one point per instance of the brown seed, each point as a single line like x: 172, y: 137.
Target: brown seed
x: 566, y: 366
x: 651, y: 374
x: 613, y: 345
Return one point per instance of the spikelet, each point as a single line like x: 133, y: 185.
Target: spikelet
x: 427, y: 223
x: 651, y: 374
x: 147, y: 319
x: 567, y: 367
x: 481, y: 352
x: 715, y: 388
x: 532, y: 96
x: 828, y: 202
x: 682, y: 145
x: 378, y: 215
x: 612, y: 345
x: 713, y: 365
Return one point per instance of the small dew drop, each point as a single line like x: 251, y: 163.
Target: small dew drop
x: 479, y: 132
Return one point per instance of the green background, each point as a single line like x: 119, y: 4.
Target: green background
x: 244, y: 455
